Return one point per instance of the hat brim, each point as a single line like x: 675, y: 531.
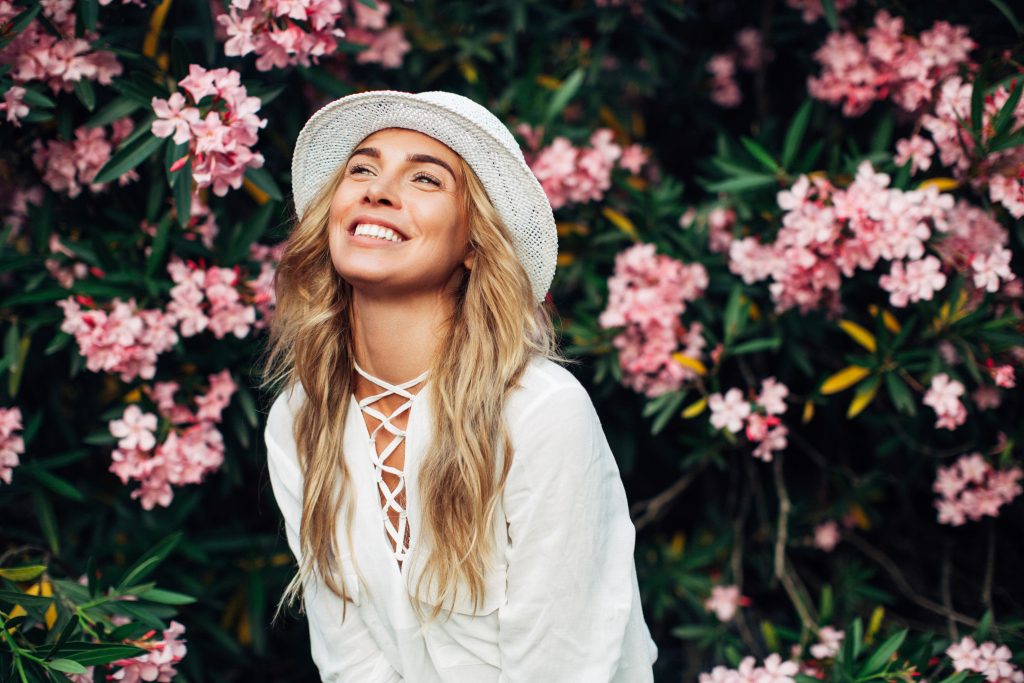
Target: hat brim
x: 332, y: 133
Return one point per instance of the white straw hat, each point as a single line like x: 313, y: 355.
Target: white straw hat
x: 469, y: 129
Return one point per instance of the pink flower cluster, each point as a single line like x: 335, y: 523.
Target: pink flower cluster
x: 574, y: 175
x: 298, y: 32
x: 749, y: 54
x: 208, y: 298
x: 943, y: 396
x: 157, y: 664
x: 192, y: 447
x: 65, y: 275
x: 264, y: 296
x: 647, y: 295
x: 124, y: 339
x: 971, y: 488
x: 829, y: 233
x: 220, y: 141
x: 1002, y: 172
x: 14, y: 202
x: 888, y: 65
x: 774, y: 670
x: 68, y: 166
x: 812, y: 10
x: 976, y: 244
x: 724, y: 602
x: 60, y: 61
x: 11, y: 444
x: 826, y: 536
x: 988, y: 659
x: 759, y: 420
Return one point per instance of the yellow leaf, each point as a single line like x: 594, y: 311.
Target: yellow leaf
x: 468, y: 71
x: 844, y: 379
x: 244, y: 629
x: 609, y: 119
x: 691, y: 363
x: 941, y: 184
x: 860, y: 518
x: 258, y: 195
x: 864, y: 395
x: 280, y: 559
x: 568, y: 228
x: 695, y: 409
x: 678, y: 544
x: 156, y: 22
x: 888, y: 319
x: 133, y: 396
x: 808, y: 412
x: 859, y: 334
x: 620, y: 221
x: 753, y: 311
x: 549, y: 82
x: 26, y: 573
x: 564, y: 258
x: 638, y: 123
x: 876, y: 623
x: 637, y: 183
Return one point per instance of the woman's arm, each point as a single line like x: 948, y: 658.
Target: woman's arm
x: 571, y: 573
x: 343, y: 650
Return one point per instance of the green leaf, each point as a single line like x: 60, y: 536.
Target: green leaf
x: 59, y: 341
x: 149, y: 561
x: 20, y: 23
x: 958, y: 677
x: 1010, y: 16
x: 88, y: 10
x: 1005, y: 116
x: 35, y: 98
x: 24, y: 573
x: 742, y: 184
x: 248, y: 233
x: 54, y: 483
x: 47, y: 520
x: 735, y: 317
x: 563, y: 95
x: 166, y: 597
x: 877, y: 661
x: 24, y: 599
x: 825, y: 604
x: 84, y: 90
x: 183, y: 194
x: 978, y: 101
x: 95, y: 654
x: 755, y: 345
x: 831, y: 16
x: 325, y: 82
x: 128, y: 157
x: 156, y: 254
x: 68, y: 666
x: 262, y: 179
x: 760, y: 153
x: 116, y: 109
x: 795, y: 134
x: 668, y: 411
x: 900, y: 394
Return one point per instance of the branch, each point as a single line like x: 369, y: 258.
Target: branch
x: 644, y: 512
x: 882, y: 560
x: 781, y: 571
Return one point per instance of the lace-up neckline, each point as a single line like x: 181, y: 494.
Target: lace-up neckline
x: 390, y: 503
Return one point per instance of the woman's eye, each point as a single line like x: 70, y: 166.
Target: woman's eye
x: 428, y: 178
x: 357, y: 169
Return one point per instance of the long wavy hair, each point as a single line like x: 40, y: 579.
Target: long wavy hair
x: 496, y: 328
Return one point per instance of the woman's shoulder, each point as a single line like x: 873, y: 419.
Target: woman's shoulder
x: 546, y: 385
x: 282, y: 414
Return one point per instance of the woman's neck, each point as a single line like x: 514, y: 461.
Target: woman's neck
x: 395, y: 339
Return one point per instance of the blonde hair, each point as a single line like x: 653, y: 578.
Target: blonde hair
x: 496, y: 328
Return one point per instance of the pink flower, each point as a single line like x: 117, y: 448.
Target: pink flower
x: 1003, y: 375
x: 826, y: 536
x: 11, y: 444
x: 988, y: 659
x: 158, y: 663
x: 173, y: 116
x: 135, y: 429
x: 729, y: 411
x: 778, y: 671
x: 971, y: 489
x: 14, y: 106
x: 724, y: 90
x: 943, y: 396
x: 830, y: 640
x: 773, y: 442
x: 633, y: 158
x: 773, y: 396
x: 990, y: 268
x: 916, y: 150
x: 811, y: 10
x: 724, y: 602
x: 571, y: 175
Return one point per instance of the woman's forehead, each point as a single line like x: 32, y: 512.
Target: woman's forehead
x: 407, y: 138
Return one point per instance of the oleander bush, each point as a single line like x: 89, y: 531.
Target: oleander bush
x: 791, y: 237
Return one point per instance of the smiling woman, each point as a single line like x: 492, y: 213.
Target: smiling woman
x: 446, y: 486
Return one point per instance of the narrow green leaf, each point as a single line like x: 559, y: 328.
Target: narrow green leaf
x: 68, y: 666
x: 90, y: 654
x: 760, y: 153
x: 149, y: 560
x: 561, y: 97
x: 116, y: 109
x: 59, y: 341
x: 831, y: 16
x: 34, y: 98
x: 47, y: 520
x: 735, y: 317
x: 25, y: 573
x: 755, y: 345
x: 20, y: 23
x: 56, y: 484
x: 1010, y: 16
x: 88, y: 10
x: 85, y: 93
x: 978, y: 101
x: 668, y: 411
x: 156, y: 254
x: 183, y: 194
x: 795, y: 134
x: 1005, y: 116
x: 249, y: 233
x: 739, y: 185
x: 128, y: 157
x: 262, y: 179
x: 880, y: 657
x: 166, y: 597
x: 900, y: 394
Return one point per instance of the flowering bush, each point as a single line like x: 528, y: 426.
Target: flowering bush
x: 790, y: 260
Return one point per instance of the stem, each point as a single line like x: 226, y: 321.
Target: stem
x: 947, y: 596
x: 646, y: 511
x: 781, y: 571
x: 990, y: 567
x: 736, y: 563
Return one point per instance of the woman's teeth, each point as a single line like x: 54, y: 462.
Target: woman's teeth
x: 378, y: 231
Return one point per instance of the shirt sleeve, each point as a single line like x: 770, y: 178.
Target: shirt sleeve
x: 343, y: 650
x: 571, y: 586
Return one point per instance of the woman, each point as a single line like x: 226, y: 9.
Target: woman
x: 446, y: 487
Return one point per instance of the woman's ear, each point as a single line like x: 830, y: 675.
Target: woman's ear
x: 470, y: 259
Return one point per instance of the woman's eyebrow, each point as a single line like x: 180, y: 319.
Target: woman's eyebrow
x: 415, y: 158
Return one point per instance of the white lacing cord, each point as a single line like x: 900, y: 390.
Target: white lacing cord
x: 398, y: 535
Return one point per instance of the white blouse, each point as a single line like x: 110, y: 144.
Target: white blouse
x: 562, y: 602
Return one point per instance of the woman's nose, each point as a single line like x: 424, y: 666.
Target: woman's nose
x: 381, y: 191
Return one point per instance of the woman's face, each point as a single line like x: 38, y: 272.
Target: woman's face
x: 396, y: 224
